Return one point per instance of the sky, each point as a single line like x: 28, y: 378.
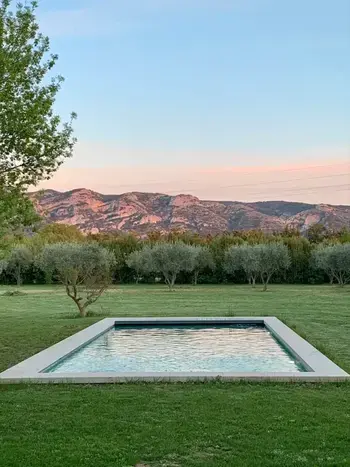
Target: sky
x: 224, y: 99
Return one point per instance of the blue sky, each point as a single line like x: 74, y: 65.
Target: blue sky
x: 203, y: 82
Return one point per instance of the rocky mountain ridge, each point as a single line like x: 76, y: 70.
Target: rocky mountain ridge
x: 144, y: 212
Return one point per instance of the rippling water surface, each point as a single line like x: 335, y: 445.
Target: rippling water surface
x: 227, y: 348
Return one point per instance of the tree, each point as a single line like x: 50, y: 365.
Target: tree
x: 3, y: 265
x: 33, y: 140
x: 122, y: 245
x: 19, y: 261
x: 243, y: 257
x: 218, y: 245
x: 334, y: 261
x: 203, y: 260
x: 55, y: 233
x: 140, y: 262
x: 16, y: 211
x: 85, y: 270
x: 60, y: 233
x: 272, y: 258
x: 300, y: 251
x: 233, y: 260
x: 169, y: 259
x: 316, y: 233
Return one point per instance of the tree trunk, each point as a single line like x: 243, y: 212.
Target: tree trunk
x: 195, y: 277
x: 74, y: 296
x: 253, y: 281
x: 265, y: 281
x: 339, y: 278
x: 167, y: 280
x: 82, y: 309
x: 172, y: 282
x: 18, y: 276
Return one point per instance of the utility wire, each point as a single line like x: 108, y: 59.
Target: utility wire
x: 271, y: 182
x: 295, y: 169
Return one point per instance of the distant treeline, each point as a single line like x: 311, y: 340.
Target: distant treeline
x: 301, y: 270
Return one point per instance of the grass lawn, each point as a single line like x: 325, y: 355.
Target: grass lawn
x: 171, y: 425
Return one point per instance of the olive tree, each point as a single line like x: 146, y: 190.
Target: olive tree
x: 321, y: 259
x: 272, y: 258
x: 84, y: 269
x: 168, y: 259
x: 334, y: 261
x: 3, y: 265
x: 203, y: 260
x: 243, y: 257
x: 139, y: 261
x: 19, y: 260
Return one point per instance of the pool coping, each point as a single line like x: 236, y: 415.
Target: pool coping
x: 320, y: 367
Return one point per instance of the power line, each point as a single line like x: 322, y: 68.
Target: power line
x: 285, y: 181
x: 295, y: 169
x: 336, y: 188
x: 272, y: 197
x: 342, y: 187
x: 271, y: 182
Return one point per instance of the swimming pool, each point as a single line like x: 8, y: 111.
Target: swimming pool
x: 117, y: 350
x: 232, y: 347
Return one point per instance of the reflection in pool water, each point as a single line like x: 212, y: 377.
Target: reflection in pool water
x: 222, y: 348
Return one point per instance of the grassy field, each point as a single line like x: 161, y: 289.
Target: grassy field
x: 171, y: 425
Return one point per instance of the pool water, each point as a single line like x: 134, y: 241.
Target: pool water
x: 210, y: 348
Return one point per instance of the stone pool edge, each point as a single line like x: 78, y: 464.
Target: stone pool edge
x: 320, y: 367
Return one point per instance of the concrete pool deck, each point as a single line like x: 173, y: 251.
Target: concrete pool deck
x: 318, y: 366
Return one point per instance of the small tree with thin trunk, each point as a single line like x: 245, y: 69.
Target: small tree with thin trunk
x: 272, y: 258
x: 19, y: 260
x: 138, y: 261
x: 169, y: 259
x: 85, y: 270
x: 3, y: 265
x: 321, y: 259
x: 203, y: 260
x: 242, y: 257
x: 334, y: 261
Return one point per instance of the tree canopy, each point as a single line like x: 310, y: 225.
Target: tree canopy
x: 245, y: 258
x: 334, y: 260
x: 34, y: 141
x: 19, y: 260
x: 203, y: 259
x: 16, y: 211
x: 272, y: 258
x: 168, y: 259
x: 85, y: 270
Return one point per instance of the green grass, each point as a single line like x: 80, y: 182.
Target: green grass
x: 212, y: 424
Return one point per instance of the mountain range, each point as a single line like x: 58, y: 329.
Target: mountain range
x: 144, y: 212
